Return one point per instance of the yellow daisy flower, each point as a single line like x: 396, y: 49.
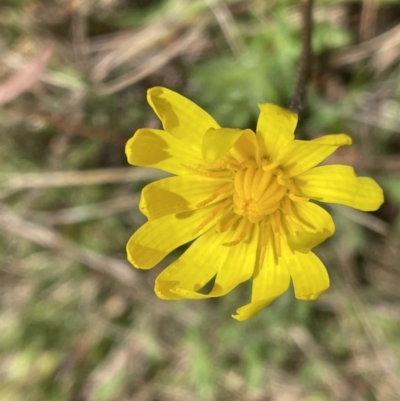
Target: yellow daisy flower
x: 243, y: 197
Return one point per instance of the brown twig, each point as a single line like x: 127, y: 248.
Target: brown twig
x: 297, y: 102
x: 369, y: 16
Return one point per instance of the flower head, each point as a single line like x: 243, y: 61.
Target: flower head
x: 243, y: 197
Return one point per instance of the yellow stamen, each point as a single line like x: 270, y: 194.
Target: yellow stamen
x: 256, y: 193
x: 207, y: 173
x: 247, y: 176
x: 213, y: 214
x: 261, y: 182
x: 287, y: 209
x: 243, y: 227
x: 222, y: 228
x: 296, y: 198
x: 277, y: 232
x: 267, y: 166
x: 280, y: 178
x: 292, y: 192
x: 248, y: 164
x: 265, y: 232
x: 224, y: 165
x: 224, y: 192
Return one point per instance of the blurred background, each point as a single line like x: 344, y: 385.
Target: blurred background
x: 77, y: 323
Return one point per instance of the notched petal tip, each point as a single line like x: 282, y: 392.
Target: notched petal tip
x: 181, y: 117
x: 129, y: 148
x: 247, y: 311
x: 143, y: 206
x: 253, y: 308
x: 164, y: 289
x: 332, y: 140
x: 275, y: 110
x: 172, y: 290
x: 147, y: 147
x: 155, y: 91
x: 376, y: 194
x: 310, y: 297
x: 142, y: 257
x: 344, y: 139
x: 275, y: 129
x: 313, y: 225
x: 187, y: 294
x: 239, y: 317
x: 340, y: 184
x: 161, y: 101
x: 309, y: 276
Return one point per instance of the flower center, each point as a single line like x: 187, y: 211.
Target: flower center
x: 257, y: 193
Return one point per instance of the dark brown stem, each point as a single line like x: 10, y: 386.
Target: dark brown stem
x: 298, y: 100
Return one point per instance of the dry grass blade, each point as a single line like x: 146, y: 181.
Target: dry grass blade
x: 228, y: 26
x: 373, y: 333
x: 375, y: 338
x: 125, y: 46
x: 116, y: 269
x: 367, y: 220
x: 87, y: 212
x: 331, y: 378
x: 68, y: 125
x: 383, y: 49
x: 21, y: 81
x: 156, y: 61
x: 78, y: 178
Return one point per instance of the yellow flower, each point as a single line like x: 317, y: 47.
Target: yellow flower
x: 244, y: 198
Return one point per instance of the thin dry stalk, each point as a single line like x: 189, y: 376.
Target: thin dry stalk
x: 372, y: 332
x: 124, y: 46
x: 384, y: 50
x: 376, y: 342
x: 228, y: 26
x: 330, y: 376
x: 367, y: 220
x: 115, y: 269
x: 24, y: 79
x: 81, y: 213
x: 16, y: 62
x: 68, y: 126
x: 78, y: 178
x: 155, y: 62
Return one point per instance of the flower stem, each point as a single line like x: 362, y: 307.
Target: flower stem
x: 298, y: 100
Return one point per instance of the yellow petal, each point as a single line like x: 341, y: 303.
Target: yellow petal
x: 234, y: 264
x: 300, y: 156
x: 178, y: 194
x: 239, y: 264
x: 193, y: 270
x: 270, y: 281
x: 275, y: 129
x: 180, y: 117
x: 159, y: 149
x: 316, y: 225
x: 246, y: 148
x: 309, y: 275
x: 218, y: 142
x: 339, y: 184
x: 157, y: 238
